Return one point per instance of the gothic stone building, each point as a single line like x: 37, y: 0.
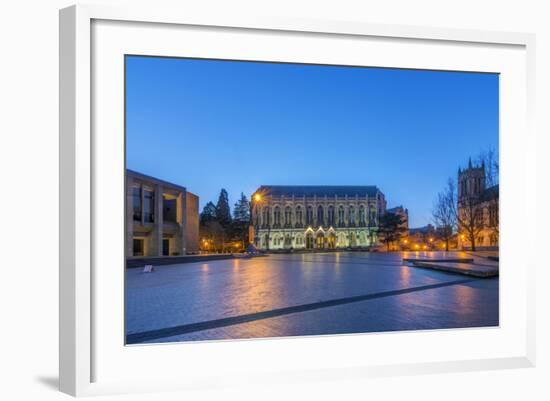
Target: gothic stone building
x: 316, y: 217
x: 476, y: 199
x: 162, y: 218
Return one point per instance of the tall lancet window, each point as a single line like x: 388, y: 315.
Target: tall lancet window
x: 299, y: 215
x: 362, y: 215
x: 309, y: 215
x: 288, y: 216
x: 330, y: 215
x: 351, y: 215
x: 265, y: 217
x: 320, y: 216
x: 277, y: 216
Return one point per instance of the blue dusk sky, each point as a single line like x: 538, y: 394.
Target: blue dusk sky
x: 207, y: 125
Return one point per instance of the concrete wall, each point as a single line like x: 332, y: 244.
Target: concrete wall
x: 181, y: 229
x: 192, y: 222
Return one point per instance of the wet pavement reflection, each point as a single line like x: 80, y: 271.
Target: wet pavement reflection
x: 237, y: 297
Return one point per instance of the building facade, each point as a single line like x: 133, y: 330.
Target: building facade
x: 316, y: 217
x: 478, y: 208
x: 161, y: 217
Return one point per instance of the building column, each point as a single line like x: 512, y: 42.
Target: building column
x: 156, y: 235
x: 181, y: 246
x: 129, y: 217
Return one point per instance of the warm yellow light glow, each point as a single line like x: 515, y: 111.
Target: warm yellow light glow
x: 416, y: 246
x: 406, y: 241
x: 431, y: 240
x: 257, y: 197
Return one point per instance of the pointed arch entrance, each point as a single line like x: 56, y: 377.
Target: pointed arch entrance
x: 331, y: 240
x: 320, y: 240
x: 309, y: 240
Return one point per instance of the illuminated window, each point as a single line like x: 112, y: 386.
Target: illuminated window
x: 138, y: 246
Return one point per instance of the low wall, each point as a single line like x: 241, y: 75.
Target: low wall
x: 173, y: 260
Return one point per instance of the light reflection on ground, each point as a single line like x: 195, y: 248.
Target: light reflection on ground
x: 187, y: 294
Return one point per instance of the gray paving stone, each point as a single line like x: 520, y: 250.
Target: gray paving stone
x: 194, y: 293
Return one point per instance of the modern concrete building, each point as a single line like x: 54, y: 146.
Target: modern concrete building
x: 316, y: 217
x: 162, y: 219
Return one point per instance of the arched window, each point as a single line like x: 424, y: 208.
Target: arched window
x: 341, y: 216
x: 352, y: 239
x: 277, y: 216
x: 331, y: 215
x: 351, y: 215
x: 309, y: 215
x: 372, y: 218
x: 342, y: 239
x: 288, y: 241
x: 299, y: 221
x: 362, y: 221
x: 265, y: 217
x: 257, y: 217
x: 320, y: 216
x: 288, y: 216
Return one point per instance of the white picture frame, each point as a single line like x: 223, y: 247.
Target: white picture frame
x: 81, y: 342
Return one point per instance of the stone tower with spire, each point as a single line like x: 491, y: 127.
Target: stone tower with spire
x: 471, y: 181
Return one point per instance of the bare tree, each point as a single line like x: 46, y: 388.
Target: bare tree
x: 444, y: 213
x: 493, y: 220
x: 470, y: 218
x: 489, y: 159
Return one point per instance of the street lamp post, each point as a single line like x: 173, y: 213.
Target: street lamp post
x: 256, y: 200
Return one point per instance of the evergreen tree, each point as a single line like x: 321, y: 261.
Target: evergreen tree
x: 208, y: 213
x: 241, y: 212
x: 241, y: 220
x: 391, y: 228
x: 223, y: 212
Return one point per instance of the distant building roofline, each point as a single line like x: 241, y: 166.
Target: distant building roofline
x: 397, y: 208
x: 319, y: 190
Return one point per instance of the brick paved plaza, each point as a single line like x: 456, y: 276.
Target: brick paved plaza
x: 303, y: 294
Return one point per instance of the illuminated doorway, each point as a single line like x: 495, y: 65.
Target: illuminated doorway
x: 309, y: 241
x: 331, y: 243
x: 320, y: 239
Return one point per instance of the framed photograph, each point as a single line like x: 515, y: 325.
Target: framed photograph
x: 280, y: 200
